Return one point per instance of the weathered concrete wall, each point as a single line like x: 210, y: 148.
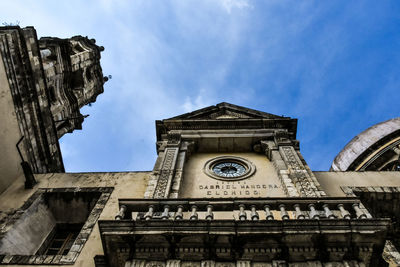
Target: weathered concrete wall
x: 29, y: 232
x: 332, y: 182
x: 10, y: 167
x: 71, y: 208
x: 197, y: 184
x: 126, y: 185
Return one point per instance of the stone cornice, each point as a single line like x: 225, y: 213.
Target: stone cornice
x: 231, y: 240
x: 162, y: 127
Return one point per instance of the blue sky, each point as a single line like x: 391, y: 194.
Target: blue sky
x: 334, y: 65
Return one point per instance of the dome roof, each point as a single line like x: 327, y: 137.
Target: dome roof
x: 368, y: 146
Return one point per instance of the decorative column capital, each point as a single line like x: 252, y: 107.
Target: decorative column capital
x: 267, y: 147
x: 174, y: 138
x: 282, y: 138
x: 161, y: 145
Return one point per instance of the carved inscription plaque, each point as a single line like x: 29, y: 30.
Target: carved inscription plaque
x: 237, y: 189
x: 264, y: 182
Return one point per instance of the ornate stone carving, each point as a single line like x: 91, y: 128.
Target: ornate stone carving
x: 174, y: 138
x: 297, y: 172
x: 282, y: 138
x: 167, y: 170
x: 227, y: 114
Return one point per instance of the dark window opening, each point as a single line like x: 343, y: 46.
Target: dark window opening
x: 52, y: 94
x: 78, y: 48
x: 63, y: 124
x: 54, y: 221
x: 88, y: 75
x: 392, y: 166
x: 77, y: 79
x: 61, y: 239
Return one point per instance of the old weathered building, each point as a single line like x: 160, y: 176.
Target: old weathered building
x: 43, y: 83
x: 229, y: 186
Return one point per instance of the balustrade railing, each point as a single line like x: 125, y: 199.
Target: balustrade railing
x: 242, y: 209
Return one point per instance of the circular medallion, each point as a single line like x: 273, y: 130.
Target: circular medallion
x: 229, y: 168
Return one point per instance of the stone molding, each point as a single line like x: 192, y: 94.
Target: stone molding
x: 80, y: 241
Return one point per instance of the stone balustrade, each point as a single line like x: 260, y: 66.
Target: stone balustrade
x: 243, y: 209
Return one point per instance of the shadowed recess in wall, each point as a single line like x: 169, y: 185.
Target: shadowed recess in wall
x: 52, y: 226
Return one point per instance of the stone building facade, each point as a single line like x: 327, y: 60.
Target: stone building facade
x: 229, y: 186
x: 44, y: 82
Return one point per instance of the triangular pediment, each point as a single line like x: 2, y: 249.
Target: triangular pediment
x: 225, y: 111
x: 226, y: 117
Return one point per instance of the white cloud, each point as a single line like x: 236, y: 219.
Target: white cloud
x: 198, y: 102
x: 229, y: 5
x: 171, y: 57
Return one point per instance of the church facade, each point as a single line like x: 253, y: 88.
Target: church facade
x: 229, y: 186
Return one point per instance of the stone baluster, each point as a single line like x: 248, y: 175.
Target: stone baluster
x: 165, y: 214
x: 268, y: 213
x: 299, y: 213
x: 365, y: 211
x: 209, y: 214
x: 150, y: 213
x: 242, y: 213
x: 284, y: 214
x: 121, y: 213
x: 254, y: 213
x: 328, y: 212
x: 345, y: 214
x: 178, y: 213
x: 313, y: 213
x: 359, y: 213
x: 194, y: 215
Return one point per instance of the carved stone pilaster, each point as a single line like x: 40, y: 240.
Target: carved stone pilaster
x: 184, y: 152
x: 166, y: 178
x: 272, y: 152
x: 166, y: 173
x: 159, y: 184
x: 297, y: 172
x: 296, y: 177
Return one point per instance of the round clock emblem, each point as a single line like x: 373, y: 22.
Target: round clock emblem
x: 229, y: 168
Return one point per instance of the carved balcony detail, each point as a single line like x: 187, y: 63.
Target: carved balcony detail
x: 257, y: 230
